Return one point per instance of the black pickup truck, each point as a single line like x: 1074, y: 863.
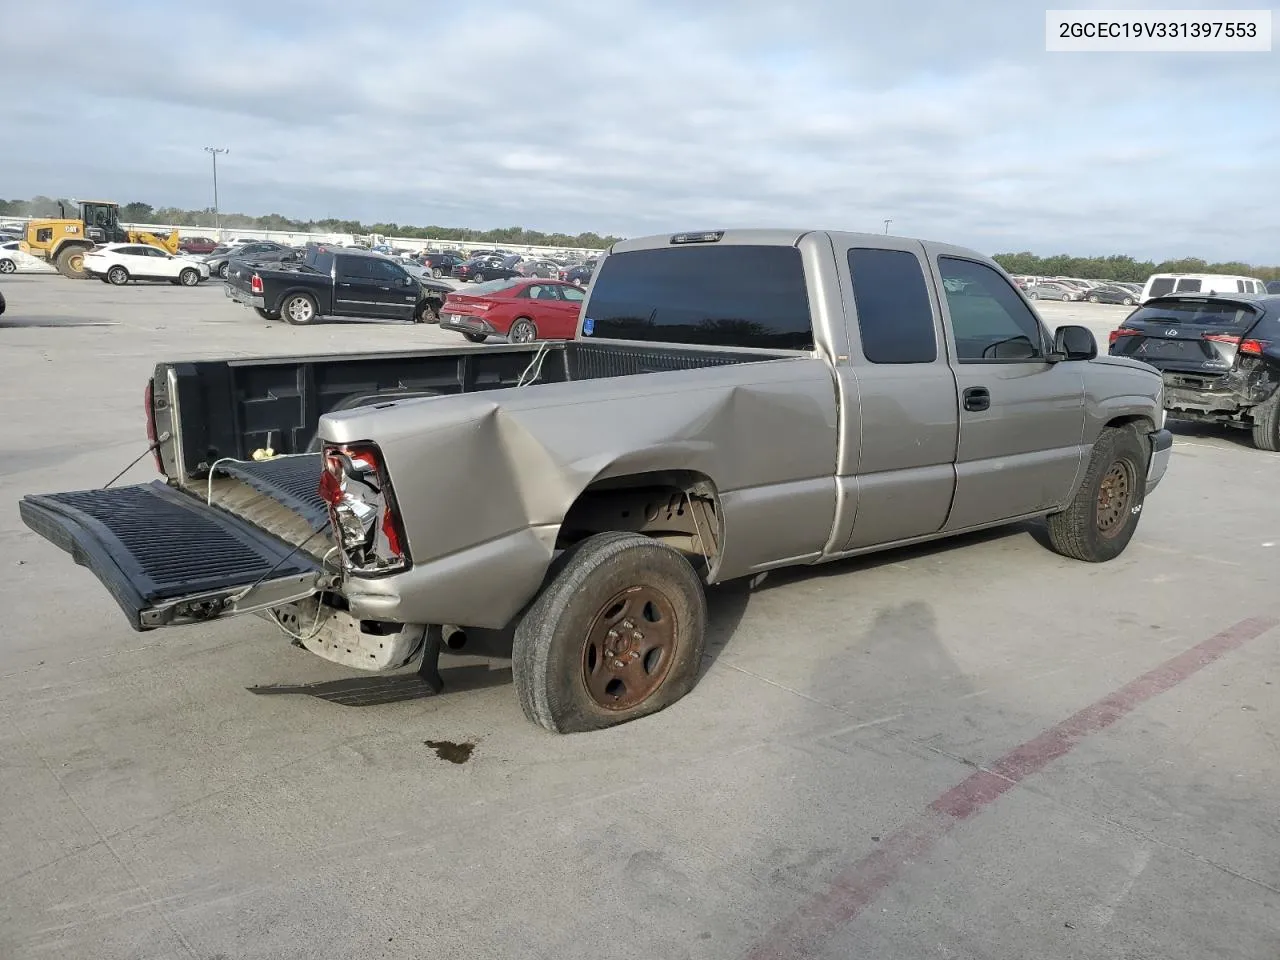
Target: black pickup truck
x: 329, y: 282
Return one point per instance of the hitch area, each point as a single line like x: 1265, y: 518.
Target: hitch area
x: 369, y: 645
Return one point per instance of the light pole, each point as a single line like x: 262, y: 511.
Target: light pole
x: 886, y: 223
x: 213, y: 152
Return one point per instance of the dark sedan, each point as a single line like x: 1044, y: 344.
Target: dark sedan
x: 441, y: 264
x: 503, y: 269
x: 579, y: 275
x: 1109, y: 293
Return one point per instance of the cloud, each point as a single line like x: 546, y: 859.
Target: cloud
x: 632, y: 117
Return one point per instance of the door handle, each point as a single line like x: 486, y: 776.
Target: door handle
x: 977, y: 398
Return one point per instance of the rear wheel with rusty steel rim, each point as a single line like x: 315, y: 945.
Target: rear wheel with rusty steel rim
x: 629, y: 648
x: 1115, y: 493
x: 616, y: 633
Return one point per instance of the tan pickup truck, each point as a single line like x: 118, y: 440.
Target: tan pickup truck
x: 733, y: 402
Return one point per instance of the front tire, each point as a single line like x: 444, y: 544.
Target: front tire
x: 299, y: 309
x: 1266, y: 423
x: 616, y: 634
x: 1101, y: 519
x: 1127, y: 301
x: 8, y: 266
x: 222, y: 271
x: 437, y: 272
x: 70, y: 264
x: 1032, y: 295
x: 118, y: 276
x: 477, y: 278
x: 429, y: 313
x: 522, y: 331
x: 1093, y: 298
x: 189, y: 277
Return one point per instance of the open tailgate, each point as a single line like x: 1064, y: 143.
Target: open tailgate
x: 169, y: 558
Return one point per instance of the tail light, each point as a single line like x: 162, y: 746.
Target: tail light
x: 362, y: 509
x: 1251, y: 348
x: 1116, y: 334
x: 148, y: 402
x: 255, y: 285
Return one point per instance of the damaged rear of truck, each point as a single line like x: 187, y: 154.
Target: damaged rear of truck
x: 716, y: 416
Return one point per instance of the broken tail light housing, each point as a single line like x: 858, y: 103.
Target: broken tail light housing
x: 362, y: 510
x: 1252, y: 348
x: 149, y: 403
x: 255, y: 285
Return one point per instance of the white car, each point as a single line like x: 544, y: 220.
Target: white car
x: 9, y: 254
x: 119, y: 263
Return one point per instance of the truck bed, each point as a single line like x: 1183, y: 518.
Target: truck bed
x: 229, y: 408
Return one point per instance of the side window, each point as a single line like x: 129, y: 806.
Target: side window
x: 988, y: 318
x: 573, y: 294
x: 895, y: 317
x: 533, y: 292
x: 1243, y: 286
x: 1188, y: 286
x: 386, y: 270
x: 356, y: 268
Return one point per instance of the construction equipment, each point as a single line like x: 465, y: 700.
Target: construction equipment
x: 63, y: 241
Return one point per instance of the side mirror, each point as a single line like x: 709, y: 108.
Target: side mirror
x: 1073, y: 343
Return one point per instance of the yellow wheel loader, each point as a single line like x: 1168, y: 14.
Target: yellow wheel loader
x: 63, y: 241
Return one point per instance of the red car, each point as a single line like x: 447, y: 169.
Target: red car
x: 521, y: 309
x: 197, y: 245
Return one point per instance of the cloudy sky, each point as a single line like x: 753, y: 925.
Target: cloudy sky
x: 646, y: 116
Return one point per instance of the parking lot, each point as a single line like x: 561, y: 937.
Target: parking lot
x: 975, y: 748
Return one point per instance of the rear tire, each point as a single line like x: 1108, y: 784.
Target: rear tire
x: 477, y: 278
x: 299, y: 309
x: 1266, y: 424
x: 1100, y: 520
x: 1127, y: 301
x: 118, y: 276
x: 437, y: 272
x: 1093, y: 298
x: 523, y: 330
x: 617, y: 633
x: 476, y: 337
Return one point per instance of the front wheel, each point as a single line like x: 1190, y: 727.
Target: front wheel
x: 1032, y: 295
x: 477, y: 278
x: 616, y: 634
x: 1093, y: 298
x: 1127, y: 301
x: 222, y: 271
x: 7, y: 266
x: 189, y: 277
x: 437, y: 272
x: 429, y: 312
x: 298, y: 309
x: 1102, y: 517
x: 118, y: 276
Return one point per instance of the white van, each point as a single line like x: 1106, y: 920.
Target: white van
x: 1158, y: 284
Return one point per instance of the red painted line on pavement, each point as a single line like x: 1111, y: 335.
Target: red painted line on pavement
x: 804, y: 932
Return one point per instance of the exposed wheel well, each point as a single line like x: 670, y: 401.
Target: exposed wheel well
x: 679, y: 507
x: 1129, y: 419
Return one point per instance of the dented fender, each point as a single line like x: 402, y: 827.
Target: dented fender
x: 485, y: 480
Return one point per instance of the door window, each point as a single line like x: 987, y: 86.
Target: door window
x: 895, y: 317
x: 988, y: 318
x: 573, y: 294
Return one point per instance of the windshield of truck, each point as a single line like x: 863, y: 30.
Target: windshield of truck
x: 730, y: 296
x: 1204, y: 313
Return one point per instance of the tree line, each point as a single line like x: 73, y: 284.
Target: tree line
x: 145, y: 213
x: 1115, y: 267
x: 1122, y: 268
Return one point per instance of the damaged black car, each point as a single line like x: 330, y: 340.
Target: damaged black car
x: 1220, y: 357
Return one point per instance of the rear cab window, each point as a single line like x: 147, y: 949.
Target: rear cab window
x: 738, y: 295
x: 895, y: 312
